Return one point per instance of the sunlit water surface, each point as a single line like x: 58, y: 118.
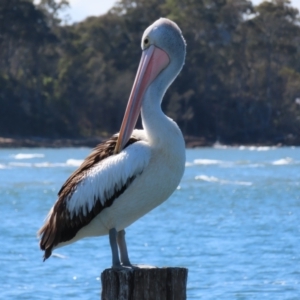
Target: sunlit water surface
x: 233, y: 222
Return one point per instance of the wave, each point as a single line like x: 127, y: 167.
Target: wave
x: 28, y: 155
x: 213, y: 162
x: 69, y: 163
x: 218, y: 145
x: 207, y: 162
x: 74, y: 162
x: 57, y: 255
x: 242, y: 147
x: 222, y: 181
x: 241, y: 163
x: 257, y: 165
x: 45, y: 164
x: 283, y: 161
x: 257, y: 148
x: 48, y: 165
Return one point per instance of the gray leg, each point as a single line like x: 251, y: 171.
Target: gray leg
x: 123, y: 248
x: 114, y: 248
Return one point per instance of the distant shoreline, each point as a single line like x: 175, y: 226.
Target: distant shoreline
x: 37, y: 142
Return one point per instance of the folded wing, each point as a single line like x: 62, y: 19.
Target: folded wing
x: 101, y: 179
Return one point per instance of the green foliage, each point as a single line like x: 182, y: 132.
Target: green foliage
x: 239, y: 85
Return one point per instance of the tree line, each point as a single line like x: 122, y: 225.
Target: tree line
x: 240, y: 82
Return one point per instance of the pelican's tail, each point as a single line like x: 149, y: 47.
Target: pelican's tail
x: 47, y: 234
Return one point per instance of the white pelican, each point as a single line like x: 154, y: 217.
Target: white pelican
x: 134, y: 171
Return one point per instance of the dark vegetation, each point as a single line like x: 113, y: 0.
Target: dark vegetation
x: 239, y: 85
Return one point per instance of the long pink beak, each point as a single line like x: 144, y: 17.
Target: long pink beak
x: 153, y: 61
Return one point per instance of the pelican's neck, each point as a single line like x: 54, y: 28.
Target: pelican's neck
x: 153, y: 119
x: 158, y: 127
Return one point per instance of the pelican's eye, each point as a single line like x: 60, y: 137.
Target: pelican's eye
x: 146, y: 41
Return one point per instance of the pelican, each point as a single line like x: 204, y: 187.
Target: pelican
x: 134, y: 171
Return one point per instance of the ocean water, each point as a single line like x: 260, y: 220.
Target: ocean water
x: 234, y: 222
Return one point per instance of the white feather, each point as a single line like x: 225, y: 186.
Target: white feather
x: 109, y: 175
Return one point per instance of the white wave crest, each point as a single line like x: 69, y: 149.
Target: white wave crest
x: 257, y: 148
x: 222, y: 181
x: 28, y: 155
x: 74, y: 162
x: 282, y: 161
x: 218, y: 145
x: 207, y: 162
x: 46, y: 164
x: 57, y: 255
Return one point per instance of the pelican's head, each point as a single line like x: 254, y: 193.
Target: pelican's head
x: 162, y: 59
x: 166, y: 36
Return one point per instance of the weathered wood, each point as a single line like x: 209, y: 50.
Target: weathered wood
x: 144, y: 283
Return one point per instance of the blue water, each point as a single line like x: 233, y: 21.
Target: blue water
x: 233, y: 222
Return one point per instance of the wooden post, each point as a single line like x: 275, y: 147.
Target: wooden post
x: 145, y: 283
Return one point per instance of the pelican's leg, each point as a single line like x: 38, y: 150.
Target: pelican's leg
x: 123, y: 248
x: 114, y: 248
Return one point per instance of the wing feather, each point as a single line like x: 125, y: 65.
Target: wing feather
x: 101, y: 179
x: 105, y: 178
